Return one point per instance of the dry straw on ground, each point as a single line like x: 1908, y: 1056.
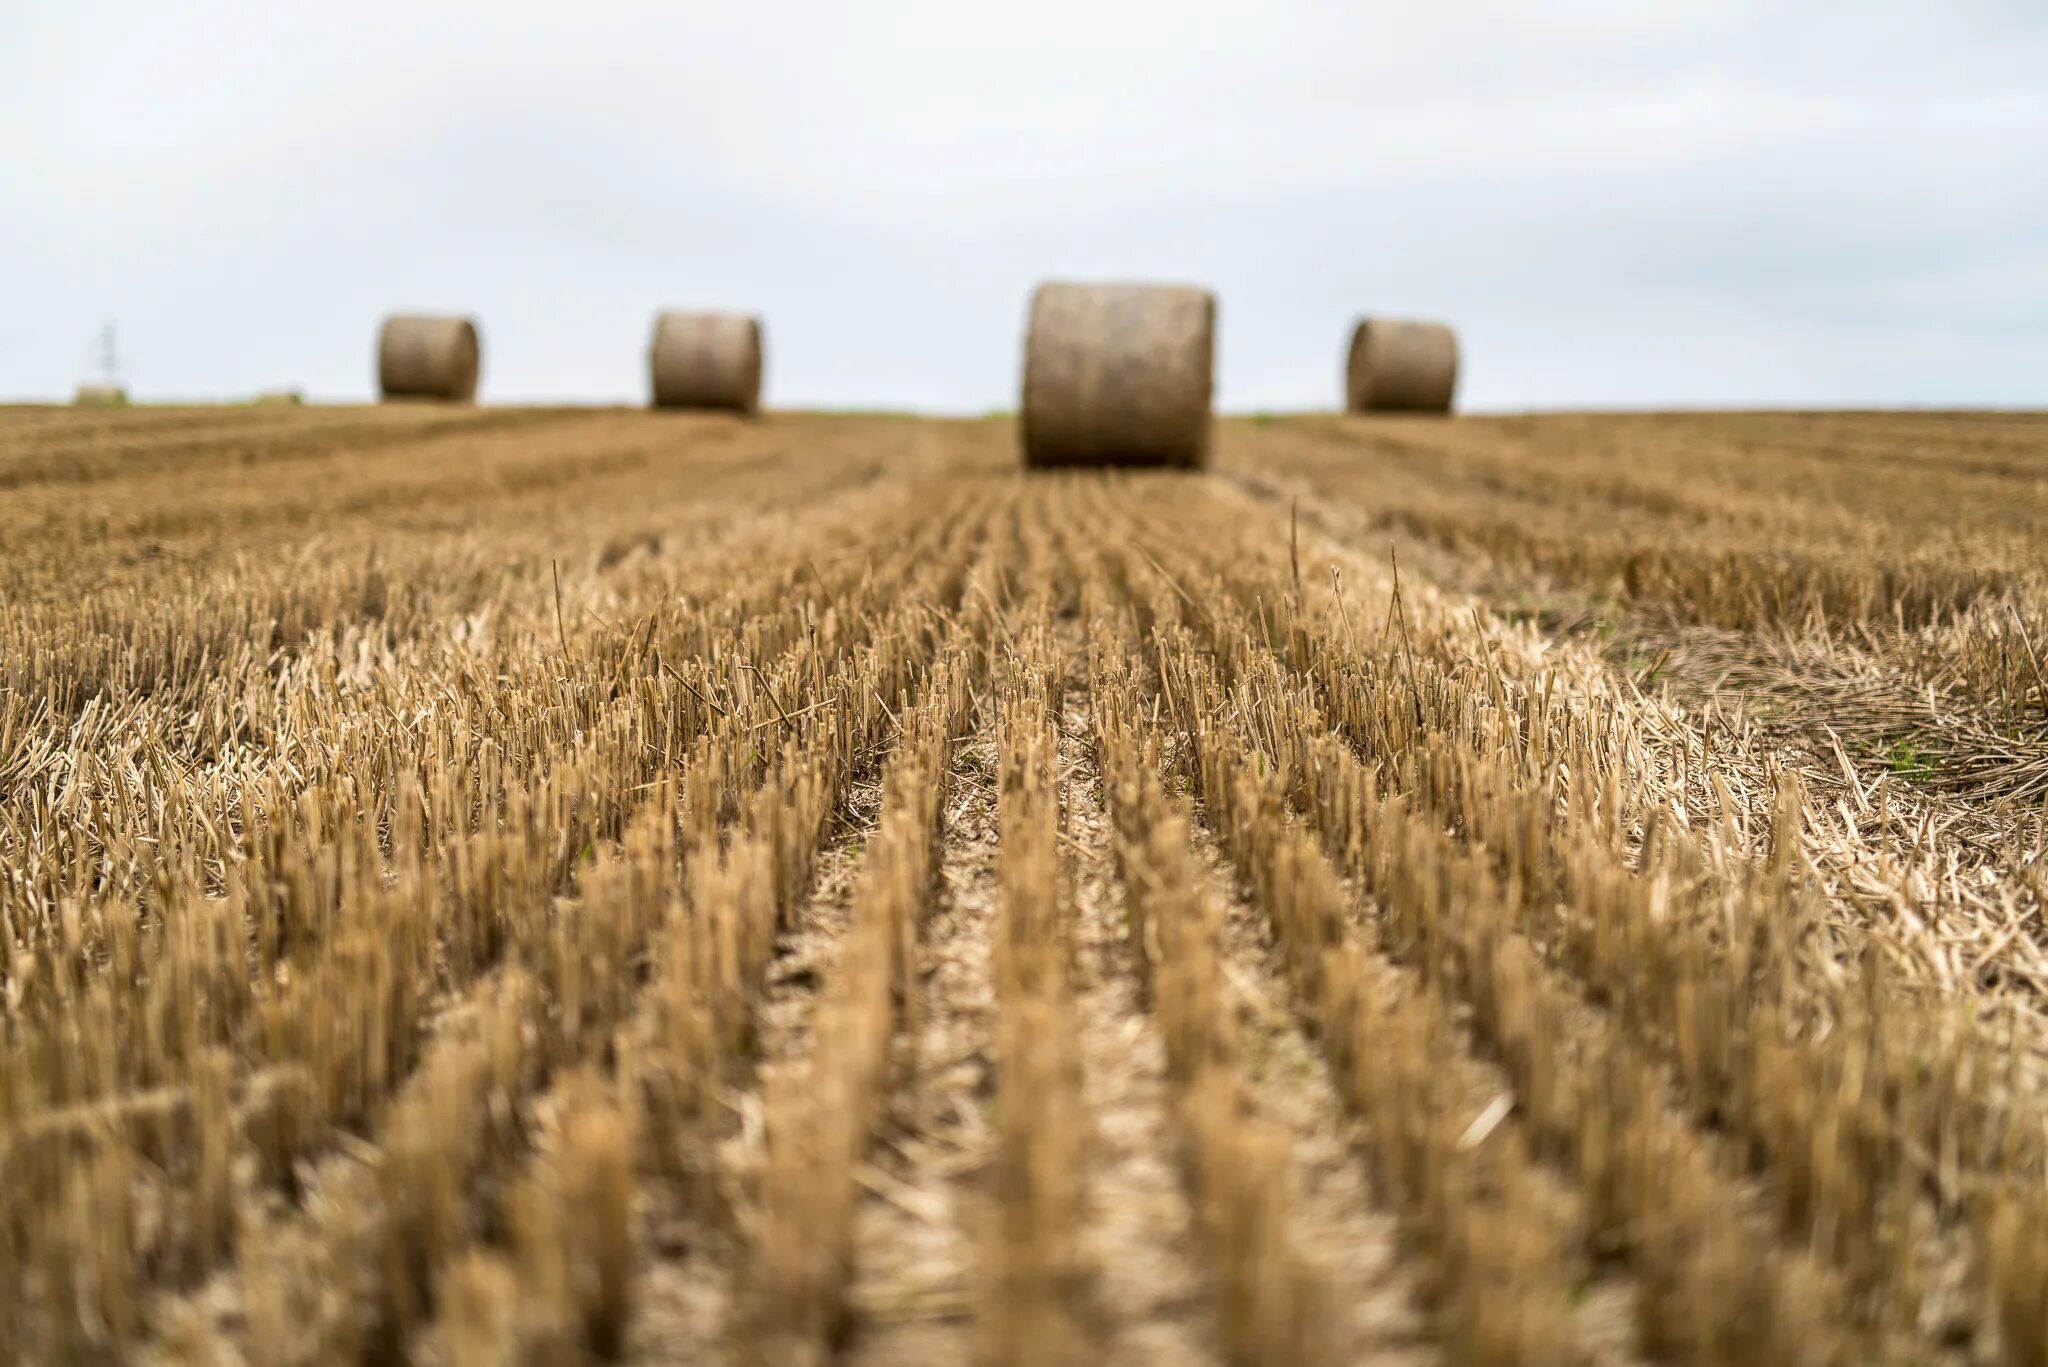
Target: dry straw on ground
x: 1118, y: 375
x: 706, y: 360
x: 428, y: 358
x: 1395, y: 365
x: 1497, y: 891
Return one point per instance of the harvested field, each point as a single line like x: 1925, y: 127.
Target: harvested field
x: 556, y: 885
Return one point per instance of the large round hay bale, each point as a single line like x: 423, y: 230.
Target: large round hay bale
x: 706, y: 360
x: 1399, y: 365
x: 428, y: 358
x: 1118, y: 375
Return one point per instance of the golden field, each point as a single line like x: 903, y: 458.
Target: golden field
x: 490, y: 885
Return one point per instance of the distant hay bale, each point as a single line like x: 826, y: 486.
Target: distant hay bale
x: 1398, y: 365
x: 1118, y: 375
x: 428, y: 358
x: 706, y: 360
x: 100, y: 395
x: 278, y: 398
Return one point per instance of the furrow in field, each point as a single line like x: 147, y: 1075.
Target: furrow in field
x: 619, y: 695
x: 1763, y: 1071
x: 394, y: 1239
x: 1398, y: 1056
x: 1306, y: 1263
x: 392, y: 989
x: 821, y: 1111
x: 710, y: 1212
x: 1735, y: 552
x: 204, y: 759
x: 254, y: 440
x: 1924, y: 780
x: 915, y: 1260
x: 1039, y: 1297
x: 1141, y: 1232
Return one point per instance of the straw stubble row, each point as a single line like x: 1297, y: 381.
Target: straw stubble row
x: 426, y: 971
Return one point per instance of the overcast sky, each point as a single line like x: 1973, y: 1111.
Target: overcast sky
x: 1617, y: 202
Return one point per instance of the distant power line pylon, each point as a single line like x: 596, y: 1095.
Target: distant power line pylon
x: 106, y: 391
x: 108, y: 353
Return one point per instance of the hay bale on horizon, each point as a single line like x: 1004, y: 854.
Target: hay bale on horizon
x: 1400, y: 365
x: 705, y: 360
x: 1118, y: 375
x: 100, y: 394
x: 421, y: 357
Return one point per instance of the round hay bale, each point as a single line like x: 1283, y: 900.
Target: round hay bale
x: 706, y: 360
x: 428, y: 358
x: 1118, y: 375
x: 1398, y: 365
x: 100, y: 394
